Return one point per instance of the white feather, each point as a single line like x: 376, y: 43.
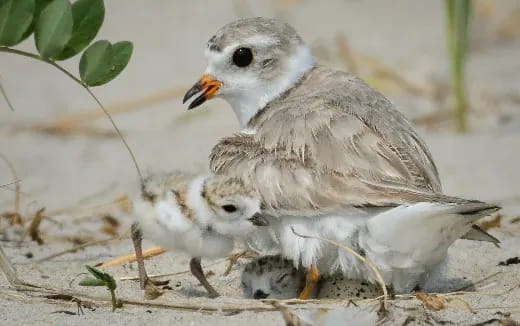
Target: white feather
x: 194, y: 200
x: 404, y: 243
x: 246, y: 93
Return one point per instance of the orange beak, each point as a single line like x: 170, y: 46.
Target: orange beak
x: 207, y: 85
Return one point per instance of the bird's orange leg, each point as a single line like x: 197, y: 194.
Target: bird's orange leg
x: 313, y: 276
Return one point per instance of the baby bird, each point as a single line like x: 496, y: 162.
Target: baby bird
x: 275, y: 277
x: 199, y: 215
x: 272, y: 277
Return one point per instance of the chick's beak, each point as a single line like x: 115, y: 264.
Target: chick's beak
x: 259, y: 220
x: 207, y: 85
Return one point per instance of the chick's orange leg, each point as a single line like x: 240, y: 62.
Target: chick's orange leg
x: 313, y: 276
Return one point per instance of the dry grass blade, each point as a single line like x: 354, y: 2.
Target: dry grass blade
x: 71, y: 122
x: 148, y: 253
x: 432, y: 301
x: 133, y: 278
x: 34, y: 228
x: 490, y: 224
x: 187, y: 305
x: 289, y: 318
x: 6, y: 98
x: 76, y: 248
x: 358, y: 256
x: 233, y: 259
x: 7, y: 268
x: 14, y: 175
x: 9, y: 183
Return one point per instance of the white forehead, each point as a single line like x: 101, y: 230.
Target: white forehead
x: 216, y: 58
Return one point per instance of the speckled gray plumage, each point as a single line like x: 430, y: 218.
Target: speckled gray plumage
x: 330, y: 140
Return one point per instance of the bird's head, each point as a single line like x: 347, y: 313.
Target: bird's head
x: 272, y: 277
x: 234, y: 207
x: 250, y: 62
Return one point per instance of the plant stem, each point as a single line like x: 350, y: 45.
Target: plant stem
x: 114, y: 300
x: 82, y: 84
x: 4, y: 94
x: 458, y: 14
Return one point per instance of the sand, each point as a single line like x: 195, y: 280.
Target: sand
x: 75, y: 173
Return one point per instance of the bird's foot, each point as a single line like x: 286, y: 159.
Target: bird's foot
x: 311, y: 280
x: 151, y: 289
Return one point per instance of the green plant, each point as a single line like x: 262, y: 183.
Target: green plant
x: 103, y: 279
x: 458, y: 17
x: 62, y: 30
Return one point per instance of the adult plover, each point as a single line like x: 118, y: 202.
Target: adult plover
x: 325, y: 151
x: 199, y: 215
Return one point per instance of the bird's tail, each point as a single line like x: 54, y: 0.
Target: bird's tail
x: 478, y: 210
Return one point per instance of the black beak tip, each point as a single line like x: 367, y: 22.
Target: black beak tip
x: 259, y: 220
x: 196, y: 102
x: 192, y: 91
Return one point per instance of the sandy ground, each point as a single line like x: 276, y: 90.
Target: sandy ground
x: 74, y: 173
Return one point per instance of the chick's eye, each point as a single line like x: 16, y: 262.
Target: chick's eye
x: 243, y: 57
x: 229, y: 208
x: 281, y: 278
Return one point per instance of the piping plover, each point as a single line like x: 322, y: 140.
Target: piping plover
x: 274, y: 277
x: 325, y: 151
x: 199, y: 215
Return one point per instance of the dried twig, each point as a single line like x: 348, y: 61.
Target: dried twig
x: 10, y: 272
x: 490, y: 224
x: 233, y: 259
x: 7, y: 268
x: 358, y: 256
x: 148, y: 253
x: 70, y: 123
x: 289, y: 318
x: 133, y: 278
x: 478, y: 282
x: 186, y: 305
x: 12, y: 169
x: 9, y: 183
x: 6, y: 98
x: 79, y: 247
x: 34, y: 228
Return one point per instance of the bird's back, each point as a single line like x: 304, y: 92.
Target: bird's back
x: 329, y: 141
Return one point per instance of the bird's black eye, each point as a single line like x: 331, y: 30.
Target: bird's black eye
x: 243, y: 57
x: 229, y: 208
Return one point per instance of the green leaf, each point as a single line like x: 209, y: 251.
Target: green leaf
x: 88, y: 17
x: 53, y: 28
x: 102, y: 62
x: 92, y: 282
x: 107, y: 279
x: 38, y: 7
x: 16, y: 17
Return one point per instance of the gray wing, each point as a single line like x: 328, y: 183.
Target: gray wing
x: 333, y: 143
